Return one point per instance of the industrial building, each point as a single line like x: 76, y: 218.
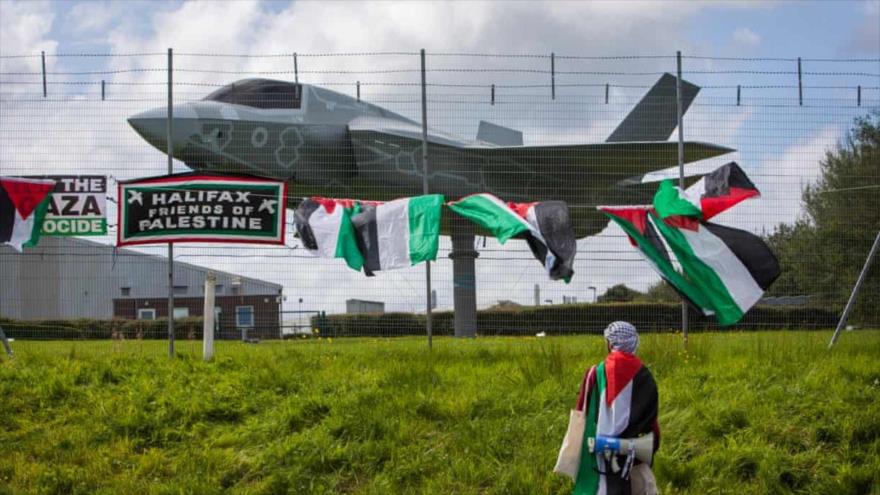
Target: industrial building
x: 362, y: 306
x: 66, y: 277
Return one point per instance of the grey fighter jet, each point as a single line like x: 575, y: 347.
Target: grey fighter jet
x: 327, y: 143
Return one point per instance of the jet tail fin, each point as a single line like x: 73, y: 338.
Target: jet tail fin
x: 656, y: 115
x: 496, y: 134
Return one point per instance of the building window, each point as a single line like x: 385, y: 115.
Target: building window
x: 126, y: 291
x: 180, y: 290
x: 146, y: 314
x: 181, y: 313
x: 244, y: 316
x: 218, y: 289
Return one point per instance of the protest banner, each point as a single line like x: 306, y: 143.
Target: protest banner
x: 201, y: 208
x: 77, y: 206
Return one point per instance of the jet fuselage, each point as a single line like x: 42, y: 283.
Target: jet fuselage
x: 330, y: 144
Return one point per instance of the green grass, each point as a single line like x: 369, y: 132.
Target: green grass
x: 740, y: 413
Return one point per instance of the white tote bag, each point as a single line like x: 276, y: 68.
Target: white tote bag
x: 569, y: 459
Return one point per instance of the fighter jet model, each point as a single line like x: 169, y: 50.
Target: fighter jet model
x: 332, y: 144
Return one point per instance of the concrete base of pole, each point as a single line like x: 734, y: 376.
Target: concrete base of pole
x: 464, y: 280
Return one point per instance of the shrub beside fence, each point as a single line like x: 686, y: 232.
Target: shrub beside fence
x: 568, y: 319
x: 87, y: 328
x: 572, y: 319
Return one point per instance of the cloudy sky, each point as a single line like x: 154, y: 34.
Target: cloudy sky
x: 725, y: 44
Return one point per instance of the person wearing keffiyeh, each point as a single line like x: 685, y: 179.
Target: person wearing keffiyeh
x: 621, y: 401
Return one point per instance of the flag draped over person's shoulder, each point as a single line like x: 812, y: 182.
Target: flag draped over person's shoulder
x: 622, y: 403
x: 23, y: 205
x: 546, y: 227
x: 399, y: 233
x: 324, y: 226
x: 725, y: 271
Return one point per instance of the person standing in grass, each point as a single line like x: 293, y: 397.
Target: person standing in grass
x: 621, y: 401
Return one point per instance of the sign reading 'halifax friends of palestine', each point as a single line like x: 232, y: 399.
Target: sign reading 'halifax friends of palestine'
x: 201, y: 208
x: 77, y: 206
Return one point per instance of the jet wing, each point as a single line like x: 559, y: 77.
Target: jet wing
x: 618, y: 159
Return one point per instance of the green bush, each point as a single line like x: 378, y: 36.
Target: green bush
x: 571, y: 319
x: 88, y: 328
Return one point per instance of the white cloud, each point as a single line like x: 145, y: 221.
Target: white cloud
x: 746, y: 37
x: 93, y: 17
x: 24, y: 29
x: 865, y: 39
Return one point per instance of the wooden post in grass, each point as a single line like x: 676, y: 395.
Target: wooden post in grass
x: 208, y: 318
x: 855, y: 292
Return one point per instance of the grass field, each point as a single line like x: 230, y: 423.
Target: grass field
x: 740, y: 413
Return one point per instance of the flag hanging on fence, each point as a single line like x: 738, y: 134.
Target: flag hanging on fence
x: 325, y: 229
x: 731, y: 267
x: 492, y: 214
x: 399, y: 233
x: 725, y: 271
x: 714, y: 193
x: 634, y: 220
x: 23, y: 205
x: 546, y: 227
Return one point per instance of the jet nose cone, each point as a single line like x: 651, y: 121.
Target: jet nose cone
x: 151, y: 125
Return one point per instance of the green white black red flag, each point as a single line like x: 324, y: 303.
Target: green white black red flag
x: 546, y: 227
x: 23, y: 205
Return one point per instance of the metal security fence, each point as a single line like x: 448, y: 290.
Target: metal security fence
x: 804, y: 130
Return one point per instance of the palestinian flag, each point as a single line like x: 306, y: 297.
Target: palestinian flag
x: 634, y: 220
x: 546, y: 227
x: 325, y: 228
x: 398, y: 233
x: 622, y: 403
x: 714, y: 193
x: 731, y: 268
x: 23, y: 205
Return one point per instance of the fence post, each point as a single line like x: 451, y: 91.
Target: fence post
x: 855, y: 292
x: 102, y: 90
x: 43, y: 57
x: 552, y: 76
x: 859, y: 96
x: 295, y: 69
x: 428, y: 315
x: 358, y: 90
x: 678, y: 105
x: 737, y: 94
x: 493, y: 95
x: 800, y: 85
x: 606, y: 92
x: 168, y: 135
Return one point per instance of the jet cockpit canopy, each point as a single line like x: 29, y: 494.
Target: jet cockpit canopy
x: 260, y: 93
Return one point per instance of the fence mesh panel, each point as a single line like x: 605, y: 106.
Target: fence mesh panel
x: 792, y: 123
